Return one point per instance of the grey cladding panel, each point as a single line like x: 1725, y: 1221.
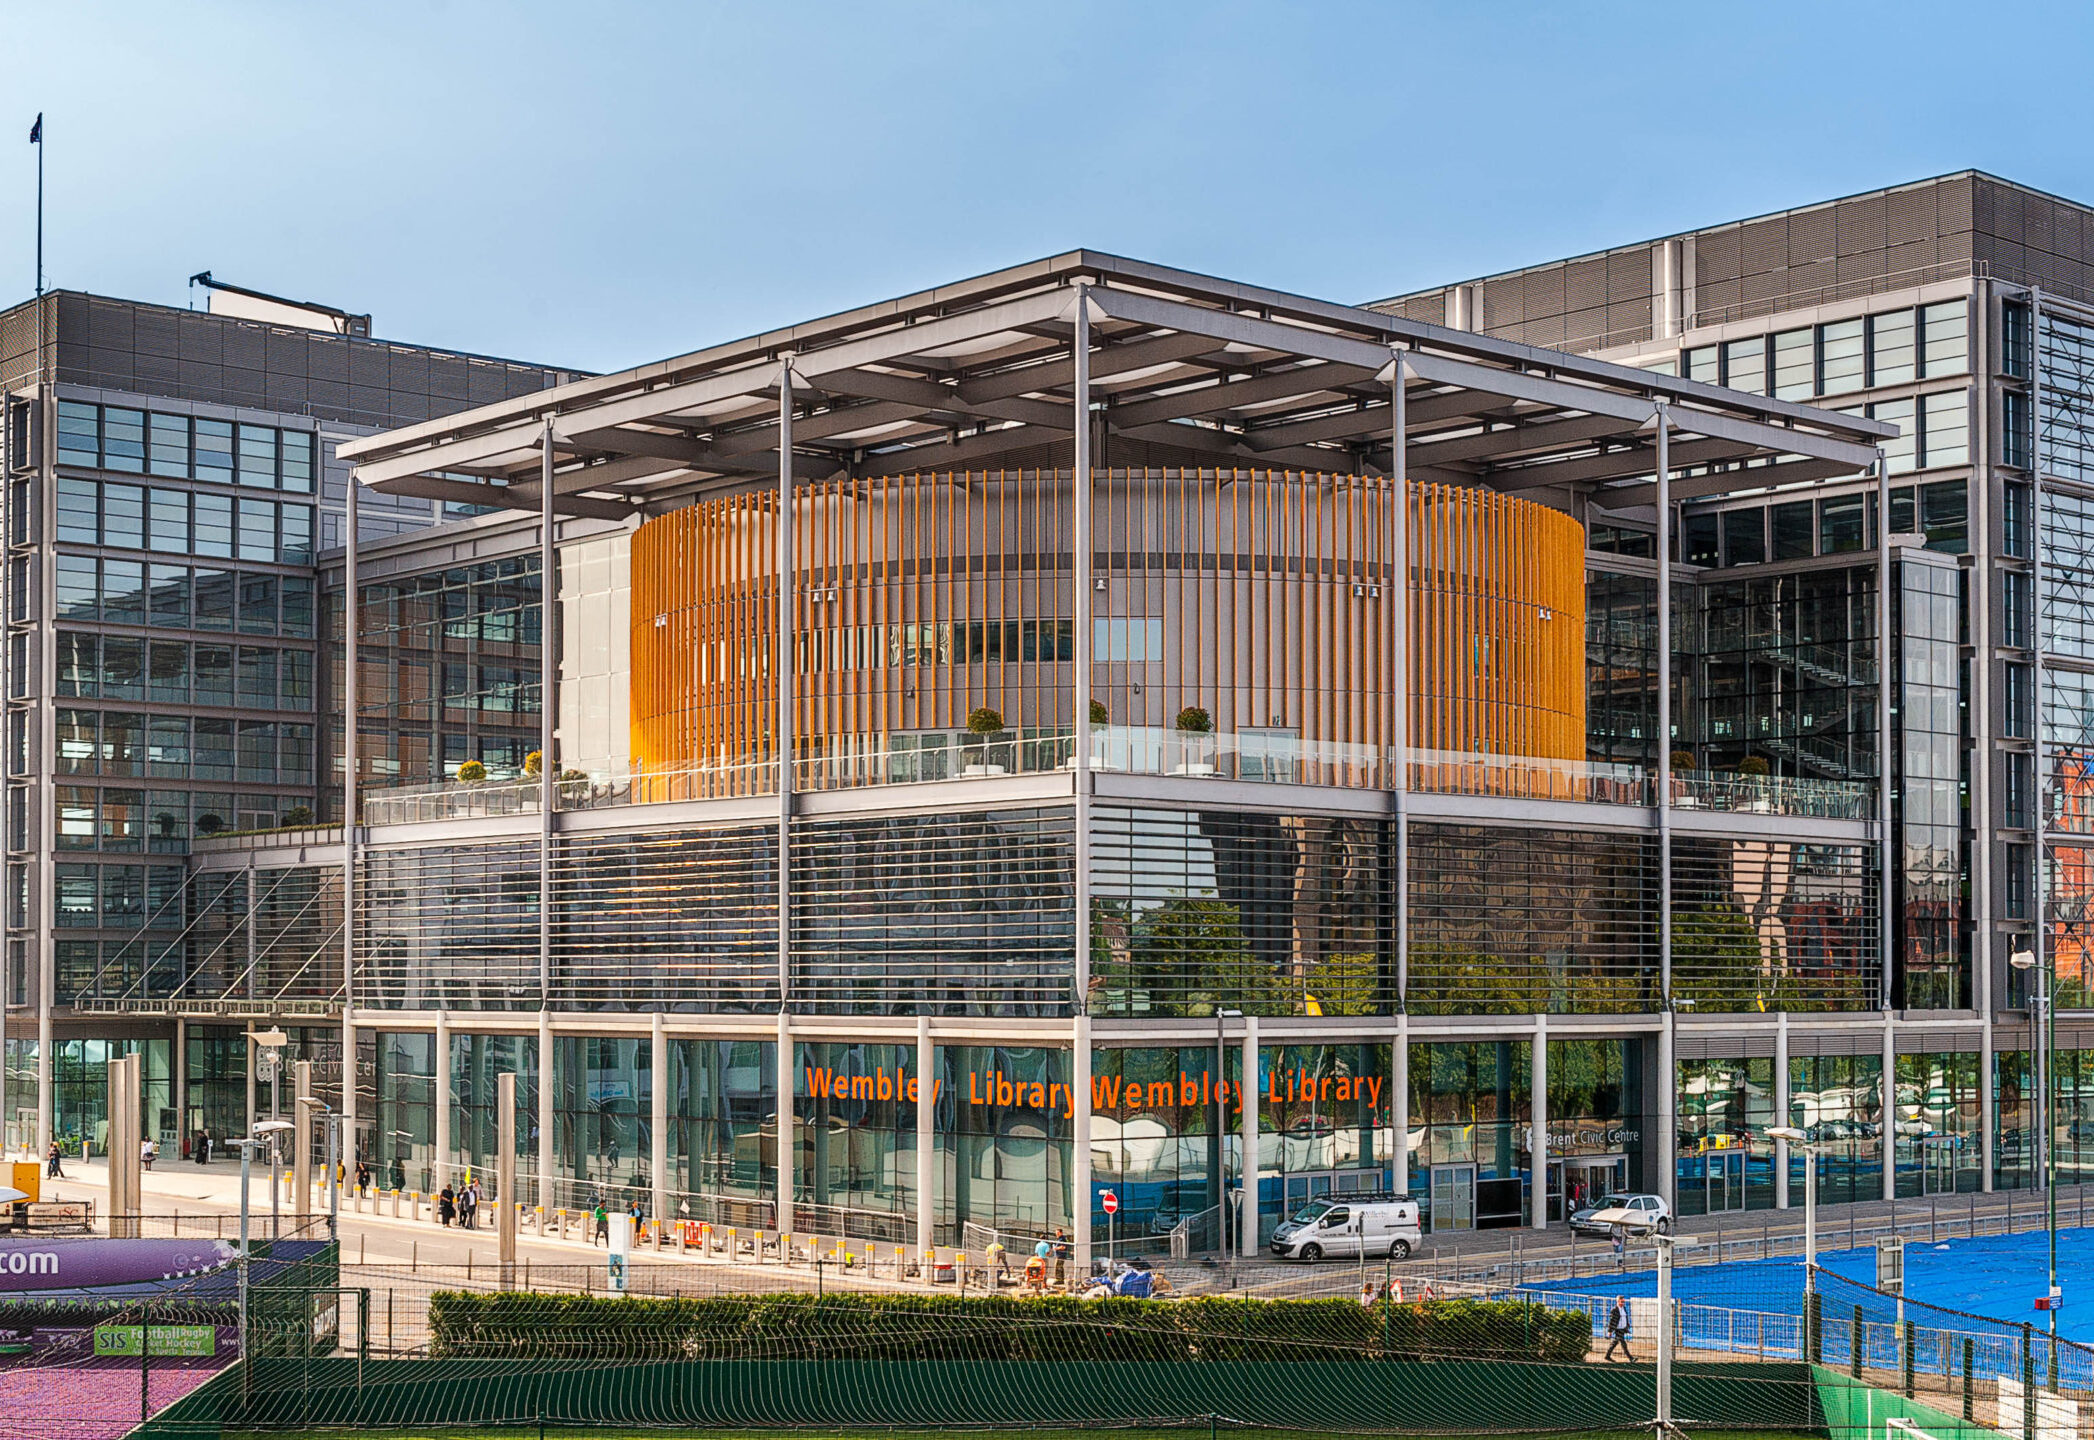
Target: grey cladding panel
x: 329, y: 396
x: 369, y: 366
x: 159, y: 375
x: 1431, y: 308
x: 327, y: 358
x: 241, y: 386
x: 1862, y: 264
x: 2039, y: 230
x: 1584, y: 285
x: 246, y: 347
x: 1628, y: 276
x: 155, y: 332
x: 286, y: 350
x: 410, y: 406
x: 109, y: 325
x: 447, y: 379
x: 1915, y: 256
x: 1498, y: 305
x: 1953, y: 203
x: 71, y: 329
x: 1813, y: 236
x: 524, y: 382
x: 1766, y: 247
x: 105, y: 366
x: 1717, y: 255
x: 484, y: 384
x: 410, y: 371
x: 286, y: 392
x: 369, y: 404
x: 1711, y: 296
x: 202, y: 340
x: 1864, y: 225
x: 1910, y: 215
x: 1542, y: 293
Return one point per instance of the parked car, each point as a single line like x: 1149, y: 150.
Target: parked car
x: 1350, y: 1227
x: 1652, y: 1212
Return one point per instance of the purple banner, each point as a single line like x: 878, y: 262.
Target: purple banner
x: 87, y: 1263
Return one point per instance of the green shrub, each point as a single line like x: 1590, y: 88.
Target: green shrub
x: 1223, y: 1329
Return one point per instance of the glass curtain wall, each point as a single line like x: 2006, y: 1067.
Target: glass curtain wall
x: 1166, y: 1129
x: 854, y: 1128
x: 1470, y: 1112
x: 603, y: 1118
x: 403, y: 1147
x: 1933, y: 962
x: 1938, y: 1143
x: 1004, y: 1120
x: 1725, y: 1162
x: 1837, y: 1101
x: 477, y: 1063
x: 723, y: 1129
x: 1324, y: 1117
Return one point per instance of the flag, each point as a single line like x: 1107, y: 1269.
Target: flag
x: 36, y: 131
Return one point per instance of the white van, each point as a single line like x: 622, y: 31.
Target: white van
x: 1348, y: 1227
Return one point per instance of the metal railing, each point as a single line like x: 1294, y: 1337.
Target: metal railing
x: 1250, y: 756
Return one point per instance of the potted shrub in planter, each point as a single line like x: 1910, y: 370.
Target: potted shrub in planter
x: 1195, y: 729
x: 472, y: 772
x: 986, y: 726
x: 1753, y: 770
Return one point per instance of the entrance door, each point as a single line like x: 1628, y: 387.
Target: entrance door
x: 1454, y: 1197
x: 1938, y: 1166
x: 1726, y: 1180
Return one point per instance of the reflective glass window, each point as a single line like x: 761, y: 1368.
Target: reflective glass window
x: 297, y: 545
x: 170, y: 440
x: 1945, y: 429
x: 1795, y: 365
x: 1891, y: 354
x: 258, y: 751
x: 169, y: 589
x: 1704, y: 363
x: 123, y: 667
x: 170, y: 520
x: 79, y: 588
x: 1842, y: 357
x: 167, y: 747
x: 1745, y: 536
x: 75, y: 809
x: 1700, y: 542
x: 215, y: 598
x: 123, y: 516
x: 214, y: 525
x: 78, y: 511
x: 257, y: 604
x: 1945, y: 516
x: 123, y: 591
x: 1901, y: 451
x: 214, y: 451
x: 79, y: 742
x: 296, y: 592
x: 123, y: 439
x: 1745, y: 364
x: 79, y: 433
x: 258, y: 455
x: 1843, y: 524
x: 257, y: 678
x: 1945, y: 338
x: 214, y: 674
x: 167, y: 665
x: 211, y: 757
x: 257, y: 529
x: 123, y: 743
x: 297, y: 461
x: 123, y: 821
x: 1795, y: 530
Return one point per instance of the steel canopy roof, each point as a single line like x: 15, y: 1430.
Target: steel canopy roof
x: 1186, y: 370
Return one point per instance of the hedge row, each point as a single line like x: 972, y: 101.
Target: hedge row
x: 951, y: 1327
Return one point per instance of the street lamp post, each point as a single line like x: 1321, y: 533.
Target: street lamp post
x: 245, y: 1144
x: 1221, y: 1124
x: 268, y: 1133
x: 2045, y: 1004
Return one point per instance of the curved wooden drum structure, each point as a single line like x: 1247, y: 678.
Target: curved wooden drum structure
x: 1259, y: 596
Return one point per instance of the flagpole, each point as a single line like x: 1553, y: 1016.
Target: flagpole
x: 36, y: 134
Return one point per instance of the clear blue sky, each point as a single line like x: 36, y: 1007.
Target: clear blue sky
x: 604, y: 184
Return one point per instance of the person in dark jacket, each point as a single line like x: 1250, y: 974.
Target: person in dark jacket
x: 446, y: 1205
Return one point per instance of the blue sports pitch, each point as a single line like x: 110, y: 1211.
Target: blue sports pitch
x: 1994, y: 1277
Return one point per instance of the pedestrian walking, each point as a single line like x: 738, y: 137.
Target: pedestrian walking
x: 148, y: 1153
x: 1618, y: 1329
x: 52, y: 1167
x: 1064, y: 1252
x: 446, y: 1205
x: 363, y: 1176
x: 603, y: 1225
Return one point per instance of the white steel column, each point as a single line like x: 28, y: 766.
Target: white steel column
x: 787, y: 1143
x: 352, y: 622
x: 1781, y: 1109
x: 1082, y: 548
x: 548, y: 1195
x: 1399, y: 582
x: 658, y: 1119
x: 926, y: 1143
x: 1886, y: 674
x: 782, y: 662
x: 440, y: 1167
x: 1668, y: 1076
x: 548, y: 706
x: 1538, y: 1115
x: 1988, y: 1103
x: 784, y: 721
x: 46, y: 877
x: 1889, y: 1100
x: 1080, y: 1135
x: 1664, y: 725
x: 1251, y: 1092
x: 178, y: 1079
x: 1400, y: 1105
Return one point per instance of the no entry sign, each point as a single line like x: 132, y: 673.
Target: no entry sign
x: 1111, y: 1202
